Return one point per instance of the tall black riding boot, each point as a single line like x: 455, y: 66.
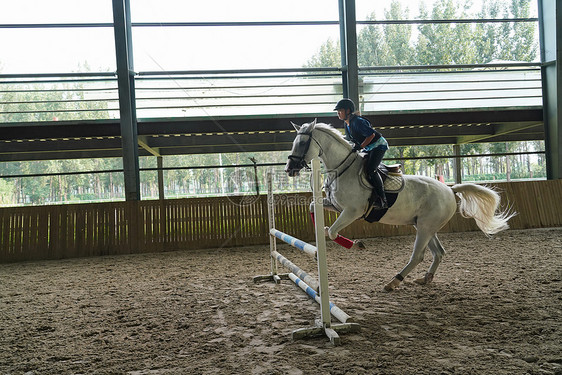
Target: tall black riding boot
x: 379, y: 189
x: 375, y: 157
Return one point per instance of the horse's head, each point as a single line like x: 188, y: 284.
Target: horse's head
x: 302, y: 152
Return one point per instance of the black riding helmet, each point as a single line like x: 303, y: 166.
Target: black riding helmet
x: 345, y: 104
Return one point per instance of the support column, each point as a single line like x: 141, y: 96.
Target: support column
x: 348, y: 43
x: 457, y: 162
x: 127, y: 106
x: 550, y: 29
x: 160, y: 165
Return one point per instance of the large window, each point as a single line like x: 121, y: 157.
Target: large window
x: 258, y: 48
x: 211, y: 35
x: 436, y: 32
x: 35, y: 36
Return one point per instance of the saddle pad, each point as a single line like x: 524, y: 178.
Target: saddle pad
x: 394, y: 183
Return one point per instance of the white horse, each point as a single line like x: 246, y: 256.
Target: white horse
x: 423, y: 202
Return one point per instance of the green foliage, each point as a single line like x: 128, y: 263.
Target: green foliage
x: 7, y: 192
x: 442, y: 43
x: 328, y: 55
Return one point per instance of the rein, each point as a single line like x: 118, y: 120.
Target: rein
x: 344, y: 167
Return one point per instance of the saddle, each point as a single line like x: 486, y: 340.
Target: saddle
x: 391, y: 176
x: 393, y: 183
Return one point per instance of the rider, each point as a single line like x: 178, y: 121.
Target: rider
x: 360, y: 132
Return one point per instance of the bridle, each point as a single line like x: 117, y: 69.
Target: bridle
x: 298, y: 160
x: 300, y: 163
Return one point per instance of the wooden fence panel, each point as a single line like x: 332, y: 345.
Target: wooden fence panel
x: 54, y: 232
x: 549, y: 207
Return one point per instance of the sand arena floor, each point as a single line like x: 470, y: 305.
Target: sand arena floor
x: 495, y: 307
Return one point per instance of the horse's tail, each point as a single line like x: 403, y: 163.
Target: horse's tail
x: 482, y: 204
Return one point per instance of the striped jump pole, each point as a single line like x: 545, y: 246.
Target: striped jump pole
x: 297, y: 271
x: 334, y: 310
x: 295, y: 242
x: 317, y: 290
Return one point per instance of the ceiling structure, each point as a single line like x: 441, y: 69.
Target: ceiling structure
x: 161, y: 137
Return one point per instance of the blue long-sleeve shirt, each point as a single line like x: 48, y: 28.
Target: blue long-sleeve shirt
x: 359, y: 129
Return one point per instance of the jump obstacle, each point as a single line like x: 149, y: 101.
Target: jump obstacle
x: 315, y: 289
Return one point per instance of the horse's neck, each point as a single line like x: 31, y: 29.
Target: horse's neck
x: 334, y: 153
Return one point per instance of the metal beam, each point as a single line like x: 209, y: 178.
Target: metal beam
x: 101, y: 128
x: 550, y: 29
x: 170, y: 143
x: 143, y: 142
x: 499, y: 130
x: 348, y: 43
x: 127, y: 106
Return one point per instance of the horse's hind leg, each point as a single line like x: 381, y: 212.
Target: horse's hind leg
x: 422, y: 240
x: 438, y: 251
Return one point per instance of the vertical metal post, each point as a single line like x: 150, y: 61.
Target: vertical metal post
x: 343, y: 48
x: 127, y: 106
x: 550, y: 34
x: 271, y: 223
x: 348, y: 43
x: 256, y: 179
x: 457, y: 162
x: 160, y: 165
x: 320, y: 244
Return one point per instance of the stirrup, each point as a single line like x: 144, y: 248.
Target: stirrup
x: 381, y: 203
x: 384, y: 203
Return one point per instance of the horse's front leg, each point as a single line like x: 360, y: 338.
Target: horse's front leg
x: 346, y: 217
x: 326, y: 203
x: 340, y: 240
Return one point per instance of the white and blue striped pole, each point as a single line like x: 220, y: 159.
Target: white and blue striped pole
x: 311, y: 281
x: 295, y: 242
x: 338, y: 313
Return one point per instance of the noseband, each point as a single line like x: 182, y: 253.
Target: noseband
x: 299, y: 159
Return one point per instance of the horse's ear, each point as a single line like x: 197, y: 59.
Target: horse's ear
x: 297, y: 127
x: 313, y: 123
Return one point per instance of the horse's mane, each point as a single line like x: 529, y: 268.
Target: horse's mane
x: 327, y: 128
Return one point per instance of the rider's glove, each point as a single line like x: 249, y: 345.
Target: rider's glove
x: 356, y: 148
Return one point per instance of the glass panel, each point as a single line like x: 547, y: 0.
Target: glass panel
x: 215, y: 48
x: 56, y: 11
x: 57, y: 50
x: 233, y: 11
x: 447, y: 44
x: 202, y: 97
x: 434, y: 9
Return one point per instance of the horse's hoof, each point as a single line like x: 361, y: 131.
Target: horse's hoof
x: 391, y: 286
x: 388, y: 288
x: 428, y: 278
x: 359, y: 245
x: 327, y: 231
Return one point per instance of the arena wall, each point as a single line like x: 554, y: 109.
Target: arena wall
x: 81, y: 230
